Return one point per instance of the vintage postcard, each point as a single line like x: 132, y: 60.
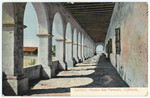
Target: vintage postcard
x: 74, y: 48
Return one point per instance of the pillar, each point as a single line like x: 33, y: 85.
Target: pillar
x: 14, y: 81
x: 45, y: 55
x: 69, y: 53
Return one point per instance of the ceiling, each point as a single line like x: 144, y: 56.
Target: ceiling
x: 94, y: 18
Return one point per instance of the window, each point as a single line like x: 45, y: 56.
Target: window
x: 106, y: 48
x: 110, y: 45
x: 118, y: 44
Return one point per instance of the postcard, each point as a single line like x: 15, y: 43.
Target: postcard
x: 74, y: 48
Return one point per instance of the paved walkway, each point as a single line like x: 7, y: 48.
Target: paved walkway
x: 95, y: 72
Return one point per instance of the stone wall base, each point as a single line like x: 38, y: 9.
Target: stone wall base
x: 13, y: 86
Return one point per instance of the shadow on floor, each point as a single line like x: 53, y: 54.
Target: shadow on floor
x: 104, y: 75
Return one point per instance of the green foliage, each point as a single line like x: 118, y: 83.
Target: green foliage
x: 54, y: 47
x: 54, y: 50
x: 33, y: 62
x: 30, y: 54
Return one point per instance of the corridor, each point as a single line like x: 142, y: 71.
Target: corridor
x: 95, y: 72
x: 73, y: 45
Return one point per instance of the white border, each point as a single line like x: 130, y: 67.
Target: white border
x: 1, y: 1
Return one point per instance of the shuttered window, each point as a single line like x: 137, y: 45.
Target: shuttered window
x: 117, y: 38
x: 110, y: 46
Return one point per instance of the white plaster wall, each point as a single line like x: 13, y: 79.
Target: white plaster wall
x: 132, y: 63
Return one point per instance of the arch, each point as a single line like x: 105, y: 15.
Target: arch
x: 13, y: 16
x: 30, y: 38
x: 42, y: 17
x: 79, y: 45
x: 69, y: 45
x: 8, y: 13
x: 99, y: 49
x: 58, y: 39
x: 82, y: 46
x: 75, y: 44
x: 68, y: 32
x: 44, y: 37
x: 57, y: 26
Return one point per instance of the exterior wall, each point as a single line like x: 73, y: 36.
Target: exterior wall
x: 132, y: 62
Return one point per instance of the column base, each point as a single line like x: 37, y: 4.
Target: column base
x: 74, y: 62
x: 53, y: 72
x: 62, y: 66
x: 80, y: 60
x: 46, y: 72
x: 15, y: 85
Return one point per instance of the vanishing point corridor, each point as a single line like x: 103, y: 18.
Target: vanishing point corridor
x: 48, y: 48
x: 95, y: 72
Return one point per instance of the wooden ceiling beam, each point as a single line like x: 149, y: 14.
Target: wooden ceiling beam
x: 88, y: 4
x: 92, y: 10
x: 94, y: 18
x: 95, y: 7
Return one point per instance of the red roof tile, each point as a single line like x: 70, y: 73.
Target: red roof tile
x: 30, y: 48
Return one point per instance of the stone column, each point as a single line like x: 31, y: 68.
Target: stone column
x: 69, y: 53
x: 77, y: 45
x: 75, y: 48
x: 45, y: 55
x: 14, y: 82
x: 60, y: 53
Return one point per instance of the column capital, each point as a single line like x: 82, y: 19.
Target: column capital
x: 60, y: 39
x: 41, y: 35
x: 79, y: 44
x: 75, y: 43
x: 69, y: 42
x: 14, y: 25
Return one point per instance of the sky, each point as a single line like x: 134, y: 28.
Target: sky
x: 30, y: 20
x: 99, y: 48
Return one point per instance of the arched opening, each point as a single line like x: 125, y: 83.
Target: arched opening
x: 69, y: 45
x: 79, y: 45
x: 99, y: 49
x: 75, y: 44
x: 30, y: 39
x: 86, y: 47
x: 41, y: 33
x: 58, y: 38
x: 82, y: 46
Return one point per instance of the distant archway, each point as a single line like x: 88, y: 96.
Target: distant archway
x: 99, y: 49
